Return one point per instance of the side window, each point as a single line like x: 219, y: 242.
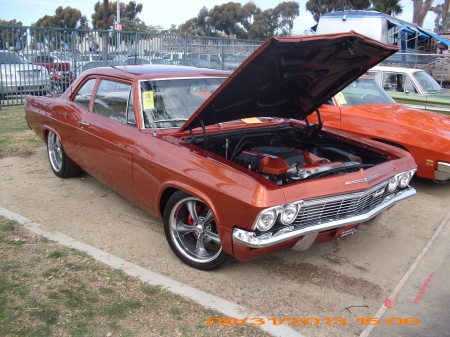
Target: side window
x: 111, y: 100
x: 394, y: 82
x: 83, y: 95
x: 131, y: 120
x: 215, y: 58
x: 409, y: 86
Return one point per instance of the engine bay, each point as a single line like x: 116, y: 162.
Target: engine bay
x: 288, y: 154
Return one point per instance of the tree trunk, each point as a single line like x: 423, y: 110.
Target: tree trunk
x: 105, y: 33
x: 421, y: 9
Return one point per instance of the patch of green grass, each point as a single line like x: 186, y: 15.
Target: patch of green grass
x: 57, y: 254
x: 175, y: 311
x: 16, y: 138
x: 64, y: 292
x: 15, y: 241
x: 45, y: 312
x: 10, y: 265
x: 121, y: 308
x: 50, y: 272
x: 105, y: 290
x: 149, y: 290
x: 76, y: 266
x: 7, y: 226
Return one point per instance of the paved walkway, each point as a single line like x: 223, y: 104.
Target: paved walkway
x: 420, y: 304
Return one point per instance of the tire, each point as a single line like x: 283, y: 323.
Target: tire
x: 59, y: 162
x: 191, y: 232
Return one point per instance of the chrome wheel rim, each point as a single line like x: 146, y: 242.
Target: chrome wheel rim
x: 194, y: 231
x: 54, y: 151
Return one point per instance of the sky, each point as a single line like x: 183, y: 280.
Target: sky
x: 167, y: 12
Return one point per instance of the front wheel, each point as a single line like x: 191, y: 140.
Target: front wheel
x: 191, y: 231
x: 59, y: 162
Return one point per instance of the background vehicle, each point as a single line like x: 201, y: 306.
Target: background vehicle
x: 364, y: 108
x: 19, y: 77
x: 412, y: 87
x: 212, y: 58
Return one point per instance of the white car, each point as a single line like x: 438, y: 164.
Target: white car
x: 19, y: 77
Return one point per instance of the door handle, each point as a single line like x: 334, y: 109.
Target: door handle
x: 84, y: 124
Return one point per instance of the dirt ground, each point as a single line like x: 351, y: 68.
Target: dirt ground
x: 348, y: 279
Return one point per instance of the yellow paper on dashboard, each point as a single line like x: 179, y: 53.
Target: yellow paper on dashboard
x: 340, y: 97
x: 148, y: 100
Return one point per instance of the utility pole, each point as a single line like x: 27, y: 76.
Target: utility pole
x: 118, y: 21
x: 105, y: 33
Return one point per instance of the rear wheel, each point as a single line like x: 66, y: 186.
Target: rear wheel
x: 191, y: 232
x: 59, y: 162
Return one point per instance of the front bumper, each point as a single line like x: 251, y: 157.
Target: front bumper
x: 442, y: 173
x: 255, y: 240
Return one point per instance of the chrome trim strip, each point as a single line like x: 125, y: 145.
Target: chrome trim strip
x: 250, y: 239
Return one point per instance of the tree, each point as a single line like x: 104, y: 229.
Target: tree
x: 11, y: 35
x: 246, y: 15
x: 127, y: 12
x: 198, y: 25
x: 225, y: 18
x: 287, y: 12
x: 391, y: 7
x: 420, y: 10
x: 264, y: 25
x: 64, y: 18
x: 442, y: 21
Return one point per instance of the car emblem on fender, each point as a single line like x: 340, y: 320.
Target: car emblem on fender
x: 361, y: 180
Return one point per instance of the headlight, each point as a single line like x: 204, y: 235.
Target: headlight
x: 288, y: 214
x: 404, y: 179
x: 392, y: 184
x: 266, y: 220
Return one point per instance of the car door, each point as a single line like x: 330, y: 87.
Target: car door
x: 402, y: 89
x: 108, y: 135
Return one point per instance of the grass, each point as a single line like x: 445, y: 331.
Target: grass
x: 49, y: 290
x: 16, y: 138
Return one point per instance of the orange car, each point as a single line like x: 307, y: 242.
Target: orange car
x: 228, y: 160
x: 365, y: 109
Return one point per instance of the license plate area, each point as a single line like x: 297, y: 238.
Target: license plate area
x: 346, y: 231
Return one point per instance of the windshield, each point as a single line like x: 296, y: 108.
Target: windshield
x: 11, y: 57
x: 170, y: 103
x: 363, y: 91
x: 427, y: 83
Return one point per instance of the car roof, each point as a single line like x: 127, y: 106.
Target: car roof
x: 156, y: 71
x: 396, y: 69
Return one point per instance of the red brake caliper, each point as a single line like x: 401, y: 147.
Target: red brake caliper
x: 190, y: 218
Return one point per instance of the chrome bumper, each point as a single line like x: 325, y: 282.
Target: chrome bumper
x: 250, y: 239
x: 443, y: 172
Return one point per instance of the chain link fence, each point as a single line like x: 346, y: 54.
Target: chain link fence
x: 437, y: 65
x: 39, y: 61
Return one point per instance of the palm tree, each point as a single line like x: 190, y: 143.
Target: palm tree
x: 391, y: 7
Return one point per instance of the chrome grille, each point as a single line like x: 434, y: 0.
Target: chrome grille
x: 325, y: 210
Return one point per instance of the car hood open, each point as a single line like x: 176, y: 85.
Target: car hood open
x: 290, y: 77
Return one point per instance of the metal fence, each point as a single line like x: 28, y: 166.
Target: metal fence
x: 35, y: 60
x: 437, y: 65
x: 43, y: 60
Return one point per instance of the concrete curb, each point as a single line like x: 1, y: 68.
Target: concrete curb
x: 229, y: 309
